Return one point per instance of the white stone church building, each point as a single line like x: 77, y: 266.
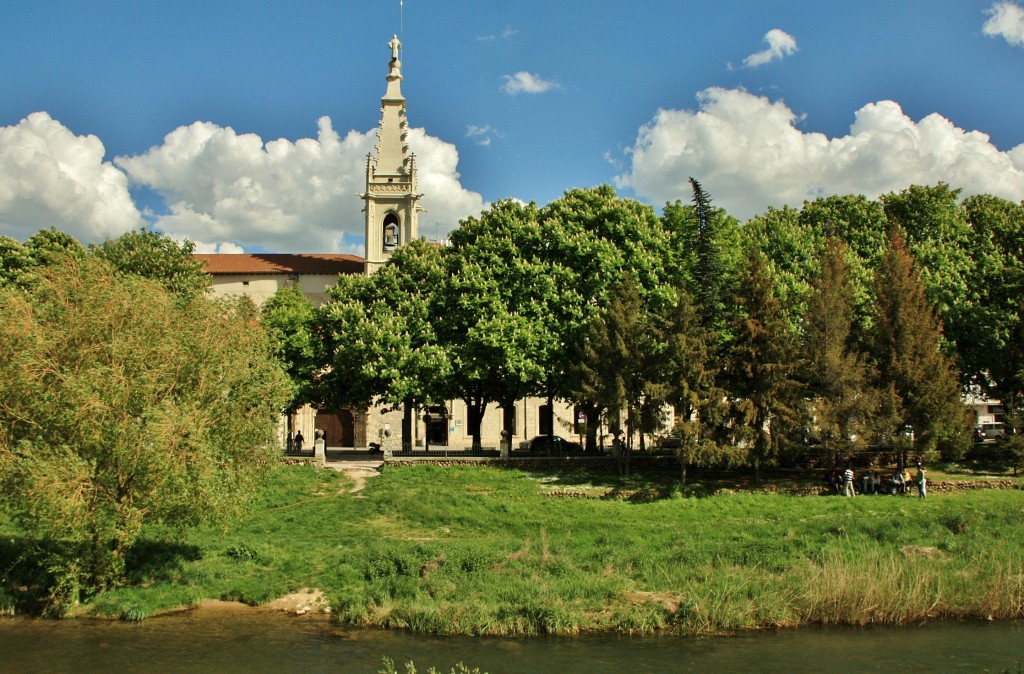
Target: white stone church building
x: 391, y: 208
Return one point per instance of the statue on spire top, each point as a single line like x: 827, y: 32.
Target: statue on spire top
x: 394, y: 44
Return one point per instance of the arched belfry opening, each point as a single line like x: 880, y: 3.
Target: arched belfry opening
x: 392, y: 232
x: 391, y: 201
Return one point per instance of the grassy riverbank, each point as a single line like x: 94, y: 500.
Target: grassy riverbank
x: 490, y: 551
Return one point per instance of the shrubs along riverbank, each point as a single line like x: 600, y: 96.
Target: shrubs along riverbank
x: 477, y: 550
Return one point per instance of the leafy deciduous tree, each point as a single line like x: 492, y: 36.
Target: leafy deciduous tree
x: 495, y: 311
x: 121, y: 405
x: 997, y: 249
x: 379, y: 335
x: 935, y: 230
x: 289, y: 319
x: 791, y: 252
x: 153, y: 255
x: 19, y: 262
x: 592, y: 239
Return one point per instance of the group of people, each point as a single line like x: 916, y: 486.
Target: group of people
x: 843, y: 481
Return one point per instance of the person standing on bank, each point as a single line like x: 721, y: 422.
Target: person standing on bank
x: 848, y: 481
x: 922, y: 486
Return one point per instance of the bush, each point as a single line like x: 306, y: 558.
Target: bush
x: 122, y: 403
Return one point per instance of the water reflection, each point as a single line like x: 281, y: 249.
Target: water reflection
x: 251, y: 641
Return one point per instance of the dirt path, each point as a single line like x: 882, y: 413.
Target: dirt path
x: 358, y: 471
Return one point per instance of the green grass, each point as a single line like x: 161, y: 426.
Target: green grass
x: 475, y: 550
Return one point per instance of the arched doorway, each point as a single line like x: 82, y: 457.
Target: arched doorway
x: 338, y: 427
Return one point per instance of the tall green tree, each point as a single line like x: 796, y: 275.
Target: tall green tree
x: 836, y: 373
x: 914, y: 373
x: 379, y: 336
x: 861, y: 225
x: 121, y: 405
x: 688, y: 373
x: 857, y: 221
x: 935, y: 230
x: 703, y: 253
x: 289, y: 319
x: 791, y: 253
x: 496, y: 311
x: 591, y: 239
x: 987, y: 353
x: 1010, y: 389
x: 620, y: 366
x: 153, y: 255
x: 761, y: 372
x: 704, y: 256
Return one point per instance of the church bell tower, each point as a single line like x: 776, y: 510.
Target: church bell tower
x: 391, y: 202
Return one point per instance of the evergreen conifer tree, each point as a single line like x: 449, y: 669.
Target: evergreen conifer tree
x: 762, y: 367
x: 915, y: 375
x: 836, y: 374
x: 620, y: 366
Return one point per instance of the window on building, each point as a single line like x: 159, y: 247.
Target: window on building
x: 514, y: 428
x: 545, y: 420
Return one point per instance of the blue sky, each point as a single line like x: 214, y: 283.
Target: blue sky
x: 245, y: 126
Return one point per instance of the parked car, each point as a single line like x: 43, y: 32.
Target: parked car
x: 554, y: 445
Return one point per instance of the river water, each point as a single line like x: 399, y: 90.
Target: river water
x: 252, y: 641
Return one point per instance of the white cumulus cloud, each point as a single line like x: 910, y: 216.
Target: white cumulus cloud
x: 748, y: 153
x: 523, y: 82
x: 225, y: 189
x: 1006, y: 20
x: 50, y: 177
x: 780, y: 45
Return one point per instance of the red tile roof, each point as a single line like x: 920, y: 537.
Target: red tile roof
x: 280, y: 263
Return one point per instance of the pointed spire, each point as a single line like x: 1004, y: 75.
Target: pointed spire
x: 392, y: 149
x: 395, y: 74
x: 391, y: 208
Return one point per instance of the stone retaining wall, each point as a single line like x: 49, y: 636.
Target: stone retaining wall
x: 960, y: 485
x: 933, y: 486
x: 644, y: 462
x: 660, y: 463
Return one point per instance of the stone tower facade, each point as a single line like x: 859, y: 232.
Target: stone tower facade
x: 391, y: 199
